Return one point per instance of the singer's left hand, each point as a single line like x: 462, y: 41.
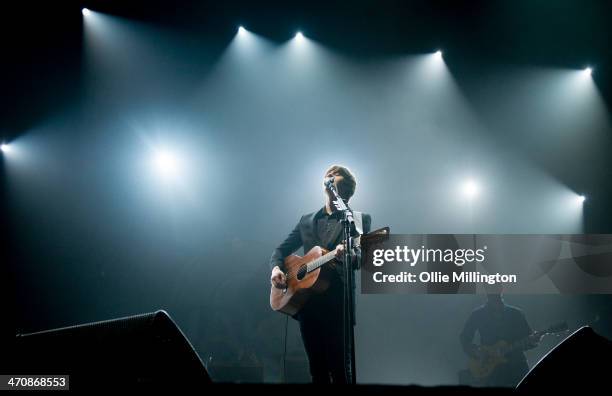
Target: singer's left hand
x: 535, y: 338
x: 340, y: 251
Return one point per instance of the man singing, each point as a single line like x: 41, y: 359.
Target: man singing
x: 321, y: 319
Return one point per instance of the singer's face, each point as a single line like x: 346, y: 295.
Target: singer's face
x: 337, y: 176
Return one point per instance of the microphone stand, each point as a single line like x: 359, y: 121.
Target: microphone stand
x: 349, y: 278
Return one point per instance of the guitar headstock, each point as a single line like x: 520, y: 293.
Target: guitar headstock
x: 375, y: 236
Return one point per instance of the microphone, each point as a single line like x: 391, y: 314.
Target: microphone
x: 328, y: 181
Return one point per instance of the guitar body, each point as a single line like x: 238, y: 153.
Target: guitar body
x: 299, y: 289
x: 492, y: 356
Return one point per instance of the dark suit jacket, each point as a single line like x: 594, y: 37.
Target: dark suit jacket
x: 304, y: 235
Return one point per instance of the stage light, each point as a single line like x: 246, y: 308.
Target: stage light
x: 470, y: 189
x: 241, y: 30
x: 299, y: 36
x: 580, y: 199
x: 588, y: 71
x: 5, y: 148
x: 85, y: 11
x: 438, y: 54
x: 166, y: 164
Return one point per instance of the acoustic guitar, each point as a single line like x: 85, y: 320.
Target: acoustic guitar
x: 308, y: 274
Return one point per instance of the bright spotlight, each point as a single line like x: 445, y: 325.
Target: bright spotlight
x: 5, y: 148
x: 470, y: 189
x: 588, y: 71
x: 438, y: 54
x: 166, y: 164
x: 85, y: 11
x: 241, y: 30
x: 580, y: 199
x: 299, y: 36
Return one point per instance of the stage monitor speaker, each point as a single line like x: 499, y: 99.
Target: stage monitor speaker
x: 581, y: 361
x: 141, y: 351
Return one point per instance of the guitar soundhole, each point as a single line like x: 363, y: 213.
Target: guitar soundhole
x: 301, y: 273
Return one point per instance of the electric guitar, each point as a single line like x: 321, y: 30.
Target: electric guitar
x: 308, y: 274
x: 491, y: 356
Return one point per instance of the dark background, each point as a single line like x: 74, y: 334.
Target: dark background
x: 79, y: 248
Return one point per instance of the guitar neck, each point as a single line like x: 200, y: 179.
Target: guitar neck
x: 380, y: 235
x: 317, y: 263
x: 522, y: 343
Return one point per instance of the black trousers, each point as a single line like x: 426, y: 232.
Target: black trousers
x: 321, y: 326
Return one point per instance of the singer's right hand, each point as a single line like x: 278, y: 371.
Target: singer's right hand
x: 278, y: 278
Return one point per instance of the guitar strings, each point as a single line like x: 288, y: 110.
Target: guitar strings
x: 292, y: 274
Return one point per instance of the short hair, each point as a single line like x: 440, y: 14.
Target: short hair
x: 346, y: 188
